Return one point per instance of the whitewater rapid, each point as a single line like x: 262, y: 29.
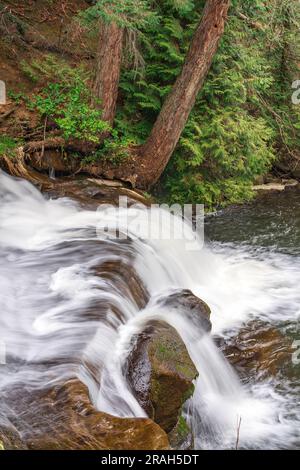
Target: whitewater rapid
x: 49, y: 250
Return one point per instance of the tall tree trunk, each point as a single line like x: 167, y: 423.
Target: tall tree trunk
x: 157, y: 150
x: 109, y: 56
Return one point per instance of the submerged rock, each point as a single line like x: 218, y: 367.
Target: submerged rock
x: 161, y: 374
x: 64, y: 418
x: 259, y: 348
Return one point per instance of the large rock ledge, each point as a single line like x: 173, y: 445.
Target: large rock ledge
x: 64, y: 418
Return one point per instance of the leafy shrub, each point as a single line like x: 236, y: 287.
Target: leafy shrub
x: 67, y: 101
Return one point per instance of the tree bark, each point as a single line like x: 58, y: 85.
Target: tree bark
x: 109, y: 57
x: 157, y: 150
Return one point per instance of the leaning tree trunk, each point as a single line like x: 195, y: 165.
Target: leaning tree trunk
x: 157, y: 150
x: 109, y: 56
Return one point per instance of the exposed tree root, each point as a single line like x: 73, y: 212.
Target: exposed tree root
x: 51, y: 143
x: 29, y: 161
x: 17, y: 167
x: 84, y: 148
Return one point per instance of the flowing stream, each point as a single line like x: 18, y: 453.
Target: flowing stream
x: 61, y: 314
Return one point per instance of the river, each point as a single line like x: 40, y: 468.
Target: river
x: 59, y: 311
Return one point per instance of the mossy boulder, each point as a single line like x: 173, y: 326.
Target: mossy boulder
x: 161, y: 374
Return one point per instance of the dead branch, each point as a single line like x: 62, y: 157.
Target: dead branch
x: 6, y: 115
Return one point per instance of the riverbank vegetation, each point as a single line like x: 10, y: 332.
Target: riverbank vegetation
x: 153, y: 93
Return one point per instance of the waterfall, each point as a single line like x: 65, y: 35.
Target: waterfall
x: 56, y: 310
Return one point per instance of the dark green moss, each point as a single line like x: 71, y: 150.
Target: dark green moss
x: 181, y: 436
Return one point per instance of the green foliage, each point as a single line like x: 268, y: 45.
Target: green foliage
x: 8, y: 145
x: 114, y: 149
x: 283, y: 53
x: 70, y: 109
x: 130, y: 14
x: 243, y: 119
x: 67, y: 101
x: 181, y: 6
x: 17, y: 97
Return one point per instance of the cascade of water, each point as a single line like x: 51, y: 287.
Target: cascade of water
x: 49, y: 293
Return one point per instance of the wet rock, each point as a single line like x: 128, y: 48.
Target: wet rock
x: 125, y: 279
x: 189, y: 305
x: 64, y: 418
x: 257, y: 348
x: 91, y: 192
x: 160, y: 370
x: 10, y: 439
x: 181, y: 436
x: 161, y: 373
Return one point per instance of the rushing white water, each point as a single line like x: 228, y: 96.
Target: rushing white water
x: 57, y: 311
